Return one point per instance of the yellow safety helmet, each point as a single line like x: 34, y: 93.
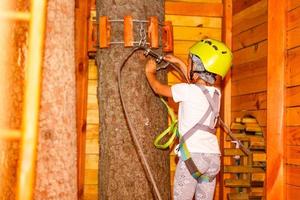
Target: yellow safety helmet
x: 215, y: 56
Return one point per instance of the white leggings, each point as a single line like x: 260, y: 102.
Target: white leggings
x: 186, y: 187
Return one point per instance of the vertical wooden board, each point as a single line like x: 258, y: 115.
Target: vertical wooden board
x: 293, y: 175
x: 195, y: 21
x: 276, y: 100
x: 293, y: 155
x: 195, y: 33
x: 293, y: 96
x: 293, y: 135
x: 293, y: 20
x: 293, y: 192
x: 255, y: 101
x: 292, y: 4
x: 292, y: 69
x: 249, y: 85
x: 92, y: 102
x: 93, y: 71
x: 250, y: 17
x: 194, y: 9
x: 247, y: 70
x: 92, y: 87
x: 239, y: 5
x: 293, y: 116
x: 251, y: 53
x: 253, y: 35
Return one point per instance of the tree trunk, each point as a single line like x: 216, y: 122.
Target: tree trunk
x: 57, y: 148
x: 121, y: 175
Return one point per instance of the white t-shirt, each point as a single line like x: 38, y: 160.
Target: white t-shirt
x: 192, y: 106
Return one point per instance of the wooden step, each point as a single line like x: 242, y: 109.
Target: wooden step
x: 237, y: 183
x: 237, y: 126
x: 241, y: 169
x: 258, y: 156
x: 245, y: 196
x: 245, y: 137
x: 238, y: 196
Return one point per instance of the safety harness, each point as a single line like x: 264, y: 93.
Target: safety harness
x: 185, y: 154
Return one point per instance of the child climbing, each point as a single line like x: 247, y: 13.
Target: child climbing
x: 199, y: 104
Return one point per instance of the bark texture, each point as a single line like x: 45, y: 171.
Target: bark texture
x: 57, y: 149
x: 121, y: 175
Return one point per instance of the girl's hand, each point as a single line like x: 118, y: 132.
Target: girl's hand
x: 150, y: 66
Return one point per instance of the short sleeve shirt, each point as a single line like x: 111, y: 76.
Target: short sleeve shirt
x: 192, y: 106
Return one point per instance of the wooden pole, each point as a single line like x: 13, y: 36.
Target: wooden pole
x: 275, y: 180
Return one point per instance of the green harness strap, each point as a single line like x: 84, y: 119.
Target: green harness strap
x: 173, y: 130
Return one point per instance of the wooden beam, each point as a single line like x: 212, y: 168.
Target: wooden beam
x: 226, y: 87
x: 81, y: 59
x: 194, y: 9
x: 275, y: 182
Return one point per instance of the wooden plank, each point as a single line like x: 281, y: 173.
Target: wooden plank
x: 260, y: 115
x: 91, y: 177
x: 293, y: 71
x: 92, y: 103
x: 194, y: 9
x: 237, y: 183
x: 293, y: 116
x: 276, y: 98
x: 292, y: 4
x: 92, y: 146
x: 92, y: 131
x: 195, y: 33
x: 182, y: 47
x: 251, y: 36
x: 90, y: 192
x: 92, y: 117
x: 293, y: 96
x: 250, y: 17
x: 93, y: 71
x: 293, y: 155
x: 293, y: 38
x: 255, y: 84
x: 293, y: 20
x: 91, y: 161
x: 293, y: 135
x: 255, y: 101
x: 239, y: 5
x: 194, y: 21
x: 293, y: 192
x: 293, y: 175
x: 251, y: 53
x: 92, y: 87
x: 199, y: 1
x: 250, y: 69
x: 242, y: 169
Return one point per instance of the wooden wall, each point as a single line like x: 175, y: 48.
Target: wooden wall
x: 293, y: 101
x: 192, y: 21
x: 249, y: 71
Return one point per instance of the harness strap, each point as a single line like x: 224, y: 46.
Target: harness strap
x: 185, y: 154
